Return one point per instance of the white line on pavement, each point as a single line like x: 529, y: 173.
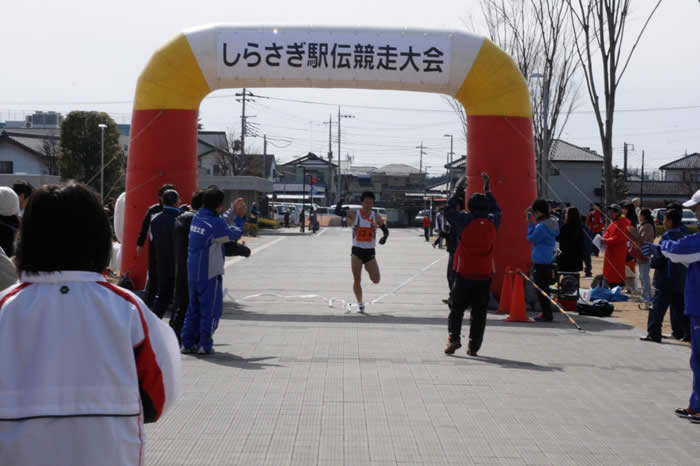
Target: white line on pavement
x: 234, y: 260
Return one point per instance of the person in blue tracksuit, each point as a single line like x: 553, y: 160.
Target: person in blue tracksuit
x: 162, y: 242
x: 542, y: 231
x: 687, y: 251
x: 205, y: 268
x: 669, y: 282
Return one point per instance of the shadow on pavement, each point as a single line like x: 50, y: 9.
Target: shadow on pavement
x: 236, y: 311
x: 231, y: 360
x: 511, y: 364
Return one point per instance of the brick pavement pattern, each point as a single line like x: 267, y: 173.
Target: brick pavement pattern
x: 296, y: 382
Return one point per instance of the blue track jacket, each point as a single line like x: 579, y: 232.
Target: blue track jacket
x: 687, y: 251
x: 543, y: 238
x: 208, y: 233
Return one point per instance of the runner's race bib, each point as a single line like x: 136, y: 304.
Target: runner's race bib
x: 364, y: 234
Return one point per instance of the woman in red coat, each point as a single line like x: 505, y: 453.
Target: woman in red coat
x: 615, y: 241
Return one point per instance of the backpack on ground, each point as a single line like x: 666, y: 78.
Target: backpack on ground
x: 600, y: 282
x: 599, y: 308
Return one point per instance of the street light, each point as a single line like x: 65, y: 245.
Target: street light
x: 102, y: 162
x: 544, y: 156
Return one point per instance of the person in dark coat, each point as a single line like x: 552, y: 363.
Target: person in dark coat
x: 181, y: 234
x: 451, y: 240
x: 162, y: 242
x: 588, y: 236
x: 152, y: 282
x: 571, y: 242
x: 9, y: 220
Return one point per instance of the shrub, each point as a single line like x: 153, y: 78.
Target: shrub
x: 250, y: 229
x: 268, y: 223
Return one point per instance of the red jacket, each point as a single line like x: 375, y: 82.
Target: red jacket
x: 426, y: 222
x: 595, y: 221
x: 616, y: 237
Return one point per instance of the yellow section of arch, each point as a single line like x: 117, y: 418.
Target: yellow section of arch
x: 495, y: 86
x: 172, y: 79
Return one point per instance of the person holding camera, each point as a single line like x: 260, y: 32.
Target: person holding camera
x: 473, y: 263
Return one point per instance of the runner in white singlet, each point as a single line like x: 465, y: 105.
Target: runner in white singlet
x: 365, y: 223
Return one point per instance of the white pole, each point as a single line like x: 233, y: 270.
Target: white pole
x: 102, y: 161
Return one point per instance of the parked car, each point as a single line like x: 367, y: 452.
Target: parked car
x: 418, y: 219
x: 687, y: 219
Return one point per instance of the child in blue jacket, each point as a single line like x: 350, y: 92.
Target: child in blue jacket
x: 542, y: 231
x: 687, y: 251
x: 205, y: 268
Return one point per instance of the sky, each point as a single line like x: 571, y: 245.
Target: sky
x: 86, y: 55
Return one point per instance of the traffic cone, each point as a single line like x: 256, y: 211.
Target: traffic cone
x: 517, y: 306
x: 506, y: 292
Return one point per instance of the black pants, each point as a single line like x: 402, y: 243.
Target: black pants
x: 680, y: 325
x: 182, y: 300
x: 587, y: 262
x: 426, y: 232
x: 438, y: 241
x: 469, y: 293
x: 166, y: 286
x: 152, y: 282
x: 450, y: 271
x: 544, y: 277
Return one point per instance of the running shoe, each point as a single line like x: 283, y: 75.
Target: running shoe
x: 471, y: 353
x: 452, y: 347
x: 190, y: 350
x: 685, y: 413
x: 542, y: 318
x: 361, y: 308
x: 202, y: 351
x: 694, y: 418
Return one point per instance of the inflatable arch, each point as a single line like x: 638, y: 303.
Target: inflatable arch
x: 472, y: 69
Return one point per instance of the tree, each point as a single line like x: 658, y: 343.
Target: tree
x: 603, y: 26
x: 50, y: 148
x: 539, y: 37
x: 79, y: 158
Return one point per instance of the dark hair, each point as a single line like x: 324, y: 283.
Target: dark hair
x: 197, y: 198
x: 478, y: 203
x: 573, y: 217
x: 213, y: 199
x: 367, y: 194
x: 674, y: 215
x: 646, y: 213
x: 631, y: 213
x: 164, y: 188
x: 541, y: 206
x: 22, y: 187
x: 674, y: 206
x: 170, y: 197
x: 64, y: 228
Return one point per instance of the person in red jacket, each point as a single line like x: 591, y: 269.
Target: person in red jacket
x: 615, y: 242
x: 596, y: 222
x: 426, y: 227
x: 473, y: 263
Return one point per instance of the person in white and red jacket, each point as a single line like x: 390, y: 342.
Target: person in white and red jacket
x: 84, y: 363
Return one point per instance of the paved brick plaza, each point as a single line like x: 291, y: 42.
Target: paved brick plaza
x: 297, y: 382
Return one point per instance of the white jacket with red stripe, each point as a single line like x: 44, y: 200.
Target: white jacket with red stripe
x: 83, y: 364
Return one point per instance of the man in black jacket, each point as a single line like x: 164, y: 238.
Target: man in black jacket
x: 162, y: 243
x: 181, y: 234
x: 152, y: 283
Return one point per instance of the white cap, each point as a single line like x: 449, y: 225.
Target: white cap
x: 693, y: 201
x: 9, y: 202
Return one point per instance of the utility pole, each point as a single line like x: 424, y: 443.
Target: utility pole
x: 421, y: 153
x: 244, y: 97
x: 330, y: 158
x: 641, y: 185
x: 340, y: 117
x: 264, y: 173
x: 450, y: 157
x: 627, y: 148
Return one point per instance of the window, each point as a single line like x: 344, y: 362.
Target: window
x: 554, y: 171
x: 7, y: 167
